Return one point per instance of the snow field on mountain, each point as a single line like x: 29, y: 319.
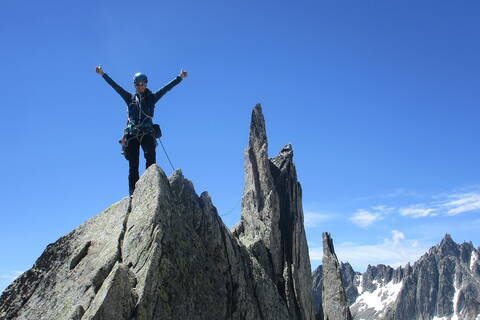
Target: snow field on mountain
x: 473, y: 260
x: 360, y: 287
x: 455, y: 299
x: 380, y: 298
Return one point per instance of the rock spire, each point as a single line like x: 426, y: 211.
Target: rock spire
x: 166, y: 254
x: 443, y: 284
x: 334, y: 298
x: 271, y: 226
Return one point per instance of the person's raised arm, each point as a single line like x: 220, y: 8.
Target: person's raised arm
x: 122, y: 92
x: 183, y: 74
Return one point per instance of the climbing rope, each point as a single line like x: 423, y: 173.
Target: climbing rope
x: 231, y: 210
x: 166, y: 154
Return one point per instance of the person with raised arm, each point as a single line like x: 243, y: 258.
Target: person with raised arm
x: 140, y: 130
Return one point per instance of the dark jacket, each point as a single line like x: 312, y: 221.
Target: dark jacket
x: 141, y: 107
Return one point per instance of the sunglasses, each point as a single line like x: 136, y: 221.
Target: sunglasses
x: 139, y: 84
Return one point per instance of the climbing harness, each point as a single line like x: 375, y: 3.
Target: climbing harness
x: 138, y: 131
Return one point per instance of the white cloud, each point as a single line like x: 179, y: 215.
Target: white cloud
x: 453, y: 203
x: 397, y: 236
x: 394, y: 251
x: 314, y: 219
x: 383, y: 209
x: 365, y: 218
x: 444, y: 205
x: 416, y: 211
x: 462, y: 203
x: 316, y: 253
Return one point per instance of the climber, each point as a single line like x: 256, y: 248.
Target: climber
x: 140, y: 130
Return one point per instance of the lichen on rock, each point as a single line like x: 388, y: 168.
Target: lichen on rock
x: 166, y: 254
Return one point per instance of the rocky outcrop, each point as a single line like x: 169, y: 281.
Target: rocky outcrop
x: 271, y: 226
x: 443, y: 284
x: 350, y: 282
x: 317, y: 292
x: 70, y: 272
x: 166, y: 254
x: 334, y: 298
x: 377, y: 291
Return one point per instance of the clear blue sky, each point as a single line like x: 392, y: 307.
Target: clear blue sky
x: 380, y: 100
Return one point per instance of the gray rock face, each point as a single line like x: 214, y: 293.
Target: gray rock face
x: 166, y: 254
x: 444, y: 283
x: 350, y: 282
x: 377, y: 290
x: 317, y: 292
x: 70, y: 272
x: 334, y: 298
x: 271, y: 226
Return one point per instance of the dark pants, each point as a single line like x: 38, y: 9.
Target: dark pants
x: 133, y: 152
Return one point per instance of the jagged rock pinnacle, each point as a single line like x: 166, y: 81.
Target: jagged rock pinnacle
x: 334, y: 298
x: 258, y: 133
x: 442, y: 284
x: 166, y: 254
x: 272, y: 219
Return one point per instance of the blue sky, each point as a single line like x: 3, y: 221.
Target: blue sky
x: 379, y: 99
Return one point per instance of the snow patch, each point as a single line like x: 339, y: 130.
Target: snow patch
x: 380, y: 297
x: 360, y: 288
x: 456, y: 295
x: 455, y: 299
x: 473, y: 261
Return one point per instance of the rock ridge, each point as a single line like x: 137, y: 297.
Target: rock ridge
x: 271, y: 225
x: 334, y: 297
x: 166, y: 254
x: 443, y: 284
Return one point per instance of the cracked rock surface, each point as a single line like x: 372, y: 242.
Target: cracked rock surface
x: 334, y: 297
x: 166, y: 254
x: 443, y: 284
x: 271, y: 225
x: 70, y: 271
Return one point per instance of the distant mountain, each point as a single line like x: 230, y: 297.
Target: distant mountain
x: 444, y: 284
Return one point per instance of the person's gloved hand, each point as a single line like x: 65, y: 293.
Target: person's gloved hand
x: 183, y: 74
x: 99, y: 70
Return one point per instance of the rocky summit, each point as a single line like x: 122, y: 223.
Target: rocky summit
x: 444, y: 284
x: 334, y: 297
x: 166, y: 254
x: 271, y: 225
